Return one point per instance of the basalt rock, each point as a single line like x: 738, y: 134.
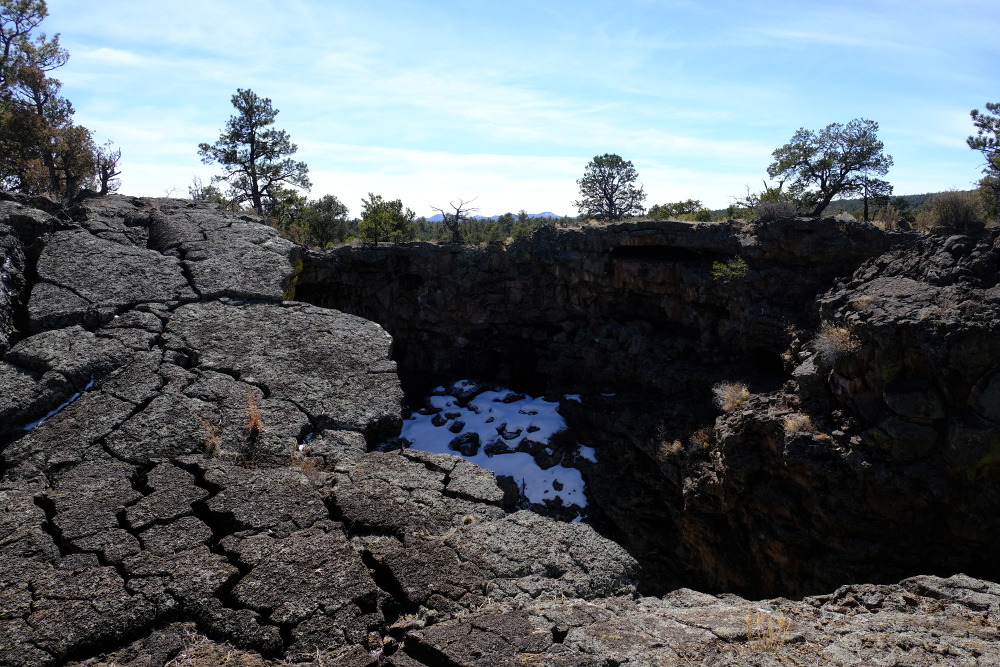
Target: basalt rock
x: 148, y: 425
x: 187, y: 474
x: 883, y: 440
x: 618, y: 306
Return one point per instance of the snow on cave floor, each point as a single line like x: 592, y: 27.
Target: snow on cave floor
x: 489, y: 426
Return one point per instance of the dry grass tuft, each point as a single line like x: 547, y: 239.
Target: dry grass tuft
x: 309, y: 465
x: 703, y: 437
x: 254, y: 424
x: 669, y: 449
x: 212, y: 438
x: 799, y: 423
x: 200, y: 651
x: 730, y: 395
x: 833, y: 343
x: 766, y: 632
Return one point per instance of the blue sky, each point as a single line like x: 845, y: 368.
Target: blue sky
x: 431, y: 101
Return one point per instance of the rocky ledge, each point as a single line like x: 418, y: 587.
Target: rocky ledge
x: 188, y: 478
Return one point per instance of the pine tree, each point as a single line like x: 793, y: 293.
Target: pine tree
x: 254, y: 155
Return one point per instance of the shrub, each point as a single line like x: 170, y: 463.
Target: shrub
x: 771, y: 204
x: 703, y: 437
x: 735, y: 269
x: 768, y: 210
x: 952, y: 212
x: 798, y: 423
x: 730, y: 395
x: 689, y: 210
x: 989, y: 196
x: 833, y: 343
x: 887, y: 218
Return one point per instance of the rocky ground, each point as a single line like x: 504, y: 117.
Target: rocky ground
x: 188, y: 479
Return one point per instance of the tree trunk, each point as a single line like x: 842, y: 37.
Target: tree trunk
x: 821, y: 205
x: 865, y: 197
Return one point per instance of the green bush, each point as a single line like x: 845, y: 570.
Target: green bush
x: 383, y: 220
x: 735, y: 269
x: 690, y: 210
x: 989, y: 196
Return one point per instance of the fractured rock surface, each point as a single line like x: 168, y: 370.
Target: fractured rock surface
x: 187, y: 479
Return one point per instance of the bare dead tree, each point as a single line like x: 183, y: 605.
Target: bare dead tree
x: 452, y: 221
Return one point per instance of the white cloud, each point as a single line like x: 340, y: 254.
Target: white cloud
x: 432, y: 101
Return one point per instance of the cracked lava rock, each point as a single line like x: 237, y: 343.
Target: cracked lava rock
x: 187, y: 480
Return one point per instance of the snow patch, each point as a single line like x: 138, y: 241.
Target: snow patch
x: 501, y: 420
x: 72, y: 398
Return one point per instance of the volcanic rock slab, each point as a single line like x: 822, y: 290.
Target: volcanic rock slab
x: 186, y: 478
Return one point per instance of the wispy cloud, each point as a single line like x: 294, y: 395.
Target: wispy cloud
x: 444, y: 98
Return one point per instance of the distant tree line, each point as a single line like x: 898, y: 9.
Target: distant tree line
x: 808, y: 174
x: 42, y: 151
x: 325, y: 222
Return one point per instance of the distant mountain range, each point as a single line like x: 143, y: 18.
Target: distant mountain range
x: 437, y: 217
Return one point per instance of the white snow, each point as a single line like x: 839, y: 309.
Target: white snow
x: 61, y: 407
x: 588, y: 453
x: 573, y: 397
x: 498, y: 422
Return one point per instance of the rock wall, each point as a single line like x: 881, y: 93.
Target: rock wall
x: 884, y: 461
x: 615, y: 307
x: 185, y: 479
x: 871, y: 463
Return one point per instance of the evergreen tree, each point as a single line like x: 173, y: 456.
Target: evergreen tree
x: 254, y: 155
x: 41, y: 149
x: 607, y: 189
x: 837, y: 160
x: 383, y: 220
x: 987, y: 142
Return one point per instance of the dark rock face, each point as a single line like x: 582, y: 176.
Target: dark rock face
x: 83, y: 276
x: 185, y: 479
x: 883, y: 464
x: 617, y: 307
x: 877, y: 462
